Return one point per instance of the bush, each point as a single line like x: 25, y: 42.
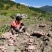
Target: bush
x: 13, y: 16
x: 4, y: 28
x: 3, y: 13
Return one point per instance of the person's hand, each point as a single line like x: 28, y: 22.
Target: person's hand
x: 20, y: 30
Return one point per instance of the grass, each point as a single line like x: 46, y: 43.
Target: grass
x: 6, y: 20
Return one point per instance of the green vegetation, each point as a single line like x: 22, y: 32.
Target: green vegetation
x: 47, y: 8
x: 4, y: 28
x: 8, y: 8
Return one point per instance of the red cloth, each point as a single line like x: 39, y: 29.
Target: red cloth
x: 14, y: 24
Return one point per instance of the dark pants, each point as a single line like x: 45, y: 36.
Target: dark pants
x: 16, y: 30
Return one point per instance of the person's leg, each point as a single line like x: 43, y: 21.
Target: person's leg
x: 16, y: 29
x: 13, y: 31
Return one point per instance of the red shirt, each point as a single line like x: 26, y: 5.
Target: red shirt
x: 16, y: 24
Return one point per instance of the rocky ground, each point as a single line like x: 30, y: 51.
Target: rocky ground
x: 39, y: 40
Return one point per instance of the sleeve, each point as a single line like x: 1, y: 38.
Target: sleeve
x: 13, y: 24
x: 22, y: 24
x: 12, y: 27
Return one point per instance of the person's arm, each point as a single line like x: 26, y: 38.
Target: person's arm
x: 22, y: 26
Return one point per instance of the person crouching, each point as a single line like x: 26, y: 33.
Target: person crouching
x: 17, y: 26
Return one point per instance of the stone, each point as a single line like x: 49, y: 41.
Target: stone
x: 42, y: 25
x: 39, y: 33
